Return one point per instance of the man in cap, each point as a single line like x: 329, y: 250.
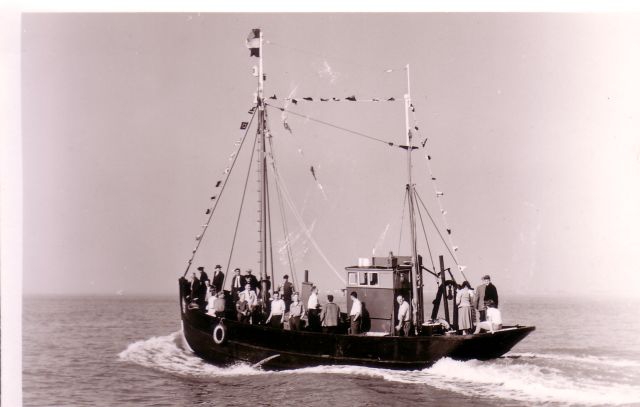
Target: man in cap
x: 218, y: 278
x: 479, y: 299
x: 237, y: 284
x: 287, y: 291
x: 203, y: 275
x: 249, y: 278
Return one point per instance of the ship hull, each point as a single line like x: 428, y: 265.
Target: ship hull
x: 278, y: 349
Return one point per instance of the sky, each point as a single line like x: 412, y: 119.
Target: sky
x: 531, y: 121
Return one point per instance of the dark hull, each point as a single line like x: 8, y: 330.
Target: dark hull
x: 295, y: 349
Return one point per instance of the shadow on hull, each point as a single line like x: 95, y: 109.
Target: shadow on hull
x: 279, y: 349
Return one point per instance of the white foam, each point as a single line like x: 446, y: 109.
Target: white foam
x: 517, y: 378
x: 593, y: 360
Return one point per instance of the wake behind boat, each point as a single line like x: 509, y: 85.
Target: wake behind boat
x: 227, y: 320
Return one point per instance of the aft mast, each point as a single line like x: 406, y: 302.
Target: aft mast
x: 416, y: 278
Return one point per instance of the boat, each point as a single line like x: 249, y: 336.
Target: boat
x: 220, y: 338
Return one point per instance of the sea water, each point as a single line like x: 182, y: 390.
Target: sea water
x: 108, y: 351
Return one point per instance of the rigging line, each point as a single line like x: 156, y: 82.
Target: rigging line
x: 283, y: 217
x: 424, y: 231
x: 441, y: 237
x: 206, y: 225
x: 268, y: 219
x: 244, y: 192
x: 351, y: 62
x: 282, y: 109
x: 404, y: 205
x: 306, y: 230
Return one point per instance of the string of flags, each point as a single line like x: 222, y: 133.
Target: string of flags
x: 439, y: 195
x: 351, y: 98
x: 219, y: 185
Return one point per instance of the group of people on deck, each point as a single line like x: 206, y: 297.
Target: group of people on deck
x: 283, y: 304
x: 478, y: 308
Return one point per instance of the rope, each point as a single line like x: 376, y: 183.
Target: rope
x: 305, y: 229
x: 283, y: 217
x: 235, y: 232
x: 228, y: 174
x: 282, y: 109
x: 424, y: 231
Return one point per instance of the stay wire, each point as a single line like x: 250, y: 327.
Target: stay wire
x: 244, y: 192
x: 404, y: 205
x: 206, y: 225
x: 282, y: 109
x: 426, y: 239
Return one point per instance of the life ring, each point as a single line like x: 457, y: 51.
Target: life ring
x: 220, y: 334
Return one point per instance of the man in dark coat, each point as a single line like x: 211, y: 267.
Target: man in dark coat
x: 218, y: 278
x: 203, y: 275
x: 287, y: 291
x: 195, y: 287
x: 251, y: 279
x: 237, y: 284
x: 490, y: 291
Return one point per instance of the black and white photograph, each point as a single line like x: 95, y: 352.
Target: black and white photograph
x: 326, y: 209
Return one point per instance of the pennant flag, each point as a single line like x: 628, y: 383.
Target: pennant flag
x: 416, y: 127
x: 375, y: 100
x: 391, y: 99
x: 309, y: 99
x: 429, y: 157
x: 253, y: 109
x: 433, y: 178
x: 295, y: 102
x: 449, y: 231
x: 438, y: 193
x: 425, y: 142
x: 413, y: 109
x: 461, y: 267
x: 208, y: 211
x: 253, y: 43
x: 337, y: 100
x: 213, y: 197
x: 243, y: 125
x: 455, y: 248
x: 286, y: 127
x: 198, y: 237
x: 313, y: 172
x: 324, y: 100
x: 273, y: 97
x: 351, y: 98
x: 218, y: 184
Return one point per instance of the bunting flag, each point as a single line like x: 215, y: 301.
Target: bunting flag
x: 253, y: 43
x: 449, y: 231
x: 243, y: 125
x: 286, y: 127
x: 218, y: 184
x: 253, y: 109
x: 309, y: 99
x: 351, y: 98
x: 313, y: 172
x: 273, y: 97
x: 208, y: 211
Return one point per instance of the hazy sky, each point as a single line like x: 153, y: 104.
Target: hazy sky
x: 532, y: 123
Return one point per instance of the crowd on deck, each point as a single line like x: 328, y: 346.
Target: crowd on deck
x: 252, y: 301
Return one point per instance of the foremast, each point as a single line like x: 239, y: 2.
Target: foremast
x: 263, y: 201
x: 416, y: 274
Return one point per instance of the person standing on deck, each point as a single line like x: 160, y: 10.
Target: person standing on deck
x: 276, y: 316
x: 404, y: 317
x: 313, y: 311
x: 287, y: 291
x: 251, y: 298
x: 217, y: 279
x: 251, y: 279
x: 490, y: 292
x: 478, y: 302
x: 296, y: 310
x: 195, y: 287
x: 494, y: 319
x: 464, y: 298
x: 237, y: 284
x: 330, y: 316
x: 355, y: 314
x: 203, y: 275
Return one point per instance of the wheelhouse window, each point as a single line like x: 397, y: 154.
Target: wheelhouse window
x: 363, y: 278
x: 353, y: 279
x: 373, y: 278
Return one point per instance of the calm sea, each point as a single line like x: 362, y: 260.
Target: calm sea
x: 117, y: 351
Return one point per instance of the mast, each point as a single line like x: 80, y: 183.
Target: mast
x: 416, y: 277
x: 262, y: 170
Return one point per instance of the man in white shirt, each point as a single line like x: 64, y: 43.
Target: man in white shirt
x: 494, y: 319
x: 356, y: 313
x: 404, y: 317
x: 251, y: 298
x: 276, y: 316
x: 313, y: 310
